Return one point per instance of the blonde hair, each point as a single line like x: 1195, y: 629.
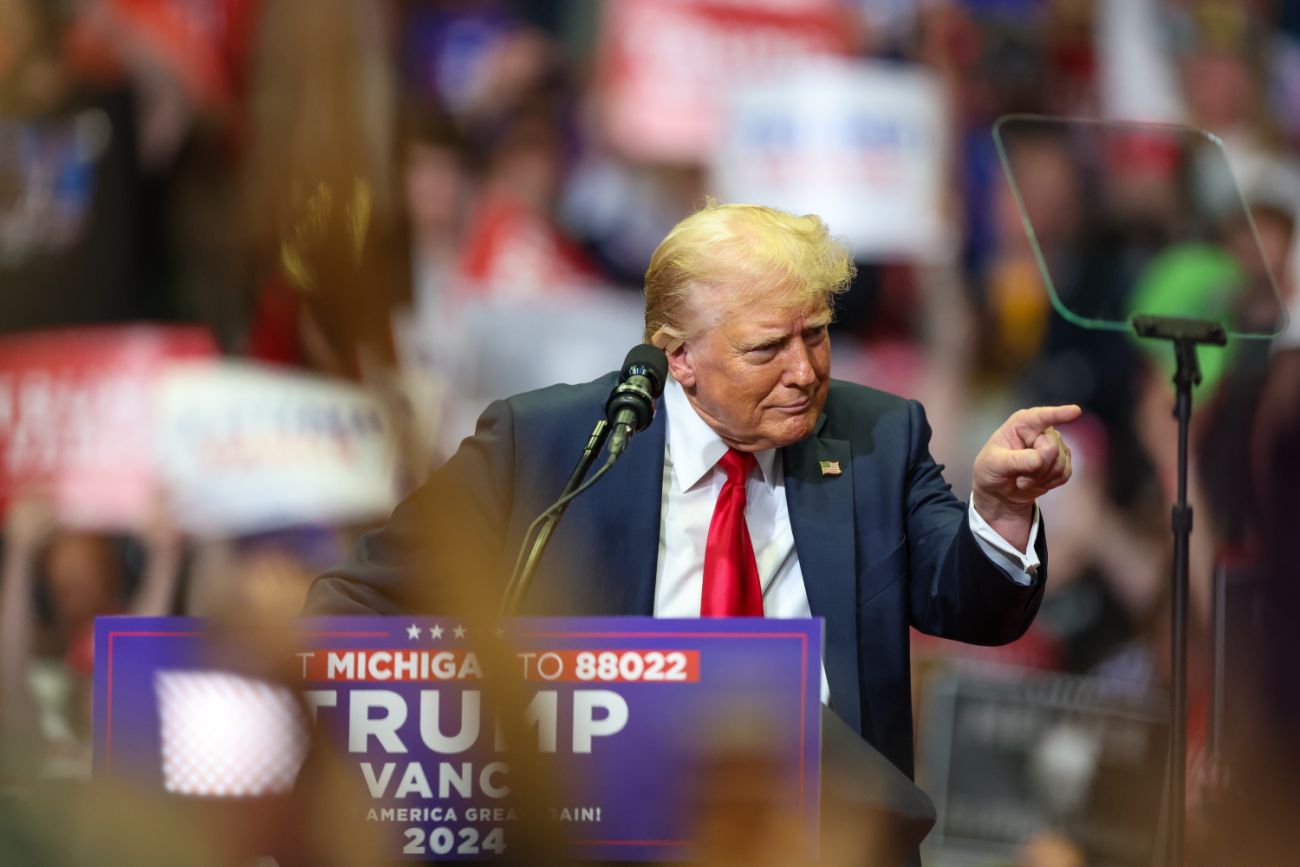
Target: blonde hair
x: 726, y: 246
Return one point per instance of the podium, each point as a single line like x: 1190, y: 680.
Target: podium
x: 626, y: 739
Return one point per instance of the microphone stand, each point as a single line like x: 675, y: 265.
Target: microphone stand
x: 525, y: 567
x: 1186, y: 335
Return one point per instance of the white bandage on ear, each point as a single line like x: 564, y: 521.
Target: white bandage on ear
x: 666, y: 341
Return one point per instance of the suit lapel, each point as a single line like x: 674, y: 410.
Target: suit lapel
x: 822, y: 519
x: 626, y: 517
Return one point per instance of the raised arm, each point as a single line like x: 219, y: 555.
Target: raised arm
x: 162, y: 567
x: 29, y: 523
x: 957, y: 591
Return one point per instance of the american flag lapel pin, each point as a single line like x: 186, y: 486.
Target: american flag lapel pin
x: 830, y: 468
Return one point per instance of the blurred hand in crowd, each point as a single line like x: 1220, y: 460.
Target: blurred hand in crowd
x: 30, y: 522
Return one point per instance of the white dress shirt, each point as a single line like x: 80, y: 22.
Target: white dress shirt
x: 691, y: 484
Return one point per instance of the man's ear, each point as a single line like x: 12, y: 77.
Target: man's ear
x: 680, y: 363
x: 682, y: 366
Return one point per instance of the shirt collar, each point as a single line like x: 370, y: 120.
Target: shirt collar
x: 694, y: 448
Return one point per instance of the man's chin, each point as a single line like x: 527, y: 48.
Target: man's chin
x: 788, y: 431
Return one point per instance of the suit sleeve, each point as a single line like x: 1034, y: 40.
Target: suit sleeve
x: 442, y: 540
x: 957, y: 592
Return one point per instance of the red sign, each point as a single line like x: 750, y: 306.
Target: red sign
x: 77, y: 416
x: 669, y: 65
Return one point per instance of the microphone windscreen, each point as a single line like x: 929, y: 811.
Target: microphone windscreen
x: 649, y: 361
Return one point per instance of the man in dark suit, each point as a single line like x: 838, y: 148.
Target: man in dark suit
x: 762, y: 487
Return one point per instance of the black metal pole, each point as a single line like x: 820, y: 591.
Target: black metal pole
x: 1186, y: 335
x: 1186, y: 375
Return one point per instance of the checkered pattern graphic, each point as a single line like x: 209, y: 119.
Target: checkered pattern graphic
x: 227, y: 736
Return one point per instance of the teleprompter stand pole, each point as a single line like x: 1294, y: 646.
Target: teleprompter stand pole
x: 1185, y: 335
x: 525, y: 567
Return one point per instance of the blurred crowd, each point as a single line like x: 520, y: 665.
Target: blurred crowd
x: 407, y: 195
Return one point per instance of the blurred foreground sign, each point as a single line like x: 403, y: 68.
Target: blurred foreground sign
x: 111, y: 422
x: 636, y: 719
x: 863, y: 145
x: 245, y: 448
x: 668, y: 65
x: 77, y: 416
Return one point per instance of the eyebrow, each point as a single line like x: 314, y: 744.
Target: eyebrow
x: 769, y: 341
x: 821, y: 320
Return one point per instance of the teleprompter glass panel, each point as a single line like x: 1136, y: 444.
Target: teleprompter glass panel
x: 1129, y: 219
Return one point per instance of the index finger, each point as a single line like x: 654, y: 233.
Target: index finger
x: 1040, y: 418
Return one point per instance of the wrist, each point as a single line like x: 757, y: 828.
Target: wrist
x: 997, y: 510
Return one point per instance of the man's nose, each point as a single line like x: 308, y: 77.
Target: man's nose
x: 799, y: 371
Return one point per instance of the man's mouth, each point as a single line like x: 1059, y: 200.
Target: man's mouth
x: 795, y: 407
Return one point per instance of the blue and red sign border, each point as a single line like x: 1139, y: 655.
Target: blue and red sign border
x: 631, y: 633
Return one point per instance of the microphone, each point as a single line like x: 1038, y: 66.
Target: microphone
x: 629, y: 408
x: 631, y: 405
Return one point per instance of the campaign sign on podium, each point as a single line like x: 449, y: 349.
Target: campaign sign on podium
x: 622, y: 705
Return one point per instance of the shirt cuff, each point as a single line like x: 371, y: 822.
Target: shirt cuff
x: 1020, y: 568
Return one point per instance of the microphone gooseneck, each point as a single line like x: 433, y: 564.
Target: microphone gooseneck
x: 629, y: 408
x: 631, y: 405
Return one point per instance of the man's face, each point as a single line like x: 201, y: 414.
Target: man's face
x: 758, y: 372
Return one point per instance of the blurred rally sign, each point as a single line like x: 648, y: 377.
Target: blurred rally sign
x: 244, y: 448
x: 77, y: 417
x: 861, y: 144
x: 461, y: 354
x: 1009, y: 754
x: 666, y: 66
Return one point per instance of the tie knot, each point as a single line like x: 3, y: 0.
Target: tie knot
x: 736, y: 465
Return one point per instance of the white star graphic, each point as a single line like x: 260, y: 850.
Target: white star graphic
x: 501, y: 633
x: 435, y: 632
x: 459, y: 632
x: 412, y: 632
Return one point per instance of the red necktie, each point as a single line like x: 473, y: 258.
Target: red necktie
x: 731, y: 587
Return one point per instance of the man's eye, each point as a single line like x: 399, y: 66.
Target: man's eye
x: 768, y: 343
x: 814, y: 336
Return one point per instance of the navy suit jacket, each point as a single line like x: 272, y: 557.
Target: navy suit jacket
x: 883, y: 546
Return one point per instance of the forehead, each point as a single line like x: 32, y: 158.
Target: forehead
x: 752, y: 309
